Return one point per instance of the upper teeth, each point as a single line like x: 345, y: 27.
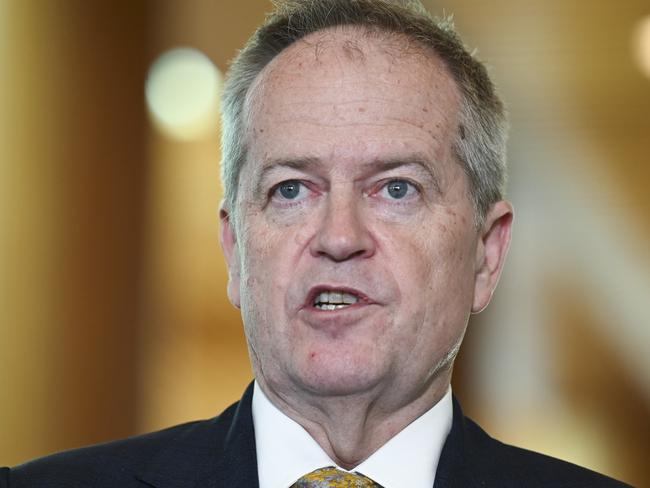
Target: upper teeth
x: 333, y: 298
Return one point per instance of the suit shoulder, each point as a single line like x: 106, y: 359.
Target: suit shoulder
x: 115, y: 463
x: 514, y: 466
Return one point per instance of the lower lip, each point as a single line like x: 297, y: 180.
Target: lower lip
x: 338, y: 318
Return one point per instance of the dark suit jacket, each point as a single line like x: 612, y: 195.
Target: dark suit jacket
x: 221, y: 453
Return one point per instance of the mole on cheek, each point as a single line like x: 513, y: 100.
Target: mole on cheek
x: 362, y: 109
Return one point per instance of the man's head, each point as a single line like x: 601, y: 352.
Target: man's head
x: 480, y: 140
x: 361, y: 245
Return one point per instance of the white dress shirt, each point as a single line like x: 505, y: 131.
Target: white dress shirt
x: 285, y: 451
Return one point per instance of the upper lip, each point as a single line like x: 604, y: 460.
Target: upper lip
x: 314, y: 291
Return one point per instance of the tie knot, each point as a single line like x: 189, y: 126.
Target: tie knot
x: 334, y: 478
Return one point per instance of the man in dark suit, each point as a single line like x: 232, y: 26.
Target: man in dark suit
x: 363, y: 222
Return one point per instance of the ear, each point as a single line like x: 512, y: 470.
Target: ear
x: 231, y: 252
x: 491, y: 250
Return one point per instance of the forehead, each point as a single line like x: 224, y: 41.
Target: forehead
x: 345, y: 91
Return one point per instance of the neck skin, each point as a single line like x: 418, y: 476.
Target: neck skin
x: 350, y: 428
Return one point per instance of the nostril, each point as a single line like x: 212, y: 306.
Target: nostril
x: 344, y: 250
x: 343, y: 257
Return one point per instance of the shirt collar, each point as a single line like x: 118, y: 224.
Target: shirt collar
x: 285, y: 451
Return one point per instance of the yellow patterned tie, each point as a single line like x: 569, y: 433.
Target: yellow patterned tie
x: 334, y: 478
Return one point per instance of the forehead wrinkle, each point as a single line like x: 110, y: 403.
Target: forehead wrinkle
x: 395, y: 46
x: 380, y: 101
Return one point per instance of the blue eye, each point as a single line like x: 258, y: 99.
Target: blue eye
x: 289, y: 189
x: 398, y: 189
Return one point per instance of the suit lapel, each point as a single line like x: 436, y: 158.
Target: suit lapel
x: 237, y: 467
x: 210, y: 454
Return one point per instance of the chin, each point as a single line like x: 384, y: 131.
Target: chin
x: 339, y: 377
x: 337, y: 387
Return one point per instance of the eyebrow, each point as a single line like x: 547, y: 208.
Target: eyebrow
x: 375, y: 166
x: 301, y: 164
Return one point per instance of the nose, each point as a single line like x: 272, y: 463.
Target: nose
x: 342, y: 232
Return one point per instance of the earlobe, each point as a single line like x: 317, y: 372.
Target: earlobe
x: 231, y: 252
x: 491, y: 251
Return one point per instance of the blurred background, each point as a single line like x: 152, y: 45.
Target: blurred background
x: 113, y: 315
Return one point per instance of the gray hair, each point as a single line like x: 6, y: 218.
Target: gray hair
x: 480, y: 144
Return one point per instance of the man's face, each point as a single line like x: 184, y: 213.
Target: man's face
x: 355, y: 258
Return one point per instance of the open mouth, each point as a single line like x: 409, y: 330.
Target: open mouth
x: 334, y: 300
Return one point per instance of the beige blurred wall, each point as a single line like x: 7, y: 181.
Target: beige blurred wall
x: 73, y: 170
x: 193, y: 361
x: 113, y: 316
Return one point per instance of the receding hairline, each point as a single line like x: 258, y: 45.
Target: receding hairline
x: 391, y: 43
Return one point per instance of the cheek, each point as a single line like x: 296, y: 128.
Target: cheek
x: 257, y: 271
x: 438, y: 301
x: 268, y: 268
x: 440, y: 271
x: 258, y: 298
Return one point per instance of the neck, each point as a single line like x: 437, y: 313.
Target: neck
x: 350, y: 428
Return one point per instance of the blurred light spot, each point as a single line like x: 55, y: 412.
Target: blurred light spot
x: 642, y: 45
x: 182, y: 94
